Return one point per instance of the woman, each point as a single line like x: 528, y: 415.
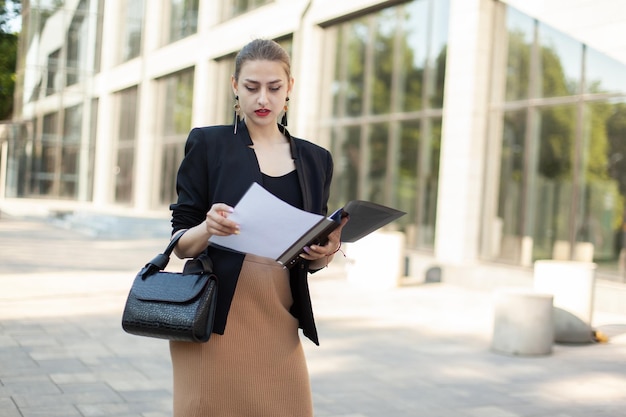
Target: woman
x: 254, y: 364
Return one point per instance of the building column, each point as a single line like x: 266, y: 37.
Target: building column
x: 205, y: 110
x: 307, y: 71
x: 464, y: 131
x: 104, y: 175
x: 146, y: 150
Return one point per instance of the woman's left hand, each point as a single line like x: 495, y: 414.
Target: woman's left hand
x: 315, y: 252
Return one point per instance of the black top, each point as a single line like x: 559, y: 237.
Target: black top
x: 285, y: 187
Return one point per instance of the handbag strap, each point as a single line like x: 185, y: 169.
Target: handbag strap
x: 207, y: 263
x: 159, y: 262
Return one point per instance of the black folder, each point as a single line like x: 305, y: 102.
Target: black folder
x: 364, y: 218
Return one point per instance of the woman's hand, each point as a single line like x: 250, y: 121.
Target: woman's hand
x: 196, y: 239
x: 321, y: 255
x: 217, y: 222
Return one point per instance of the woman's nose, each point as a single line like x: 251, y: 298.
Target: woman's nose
x: 262, y: 96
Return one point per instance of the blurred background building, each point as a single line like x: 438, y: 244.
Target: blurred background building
x: 498, y: 126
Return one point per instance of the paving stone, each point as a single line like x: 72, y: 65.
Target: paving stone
x: 28, y: 387
x: 65, y: 410
x: 73, y: 378
x: 8, y: 408
x: 156, y: 406
x: 6, y: 340
x: 144, y: 395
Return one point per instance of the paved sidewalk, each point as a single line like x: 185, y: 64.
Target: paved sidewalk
x: 418, y: 351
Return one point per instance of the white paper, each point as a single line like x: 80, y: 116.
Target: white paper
x: 268, y: 225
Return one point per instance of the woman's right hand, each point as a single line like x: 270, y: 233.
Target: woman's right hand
x: 217, y: 222
x: 196, y: 239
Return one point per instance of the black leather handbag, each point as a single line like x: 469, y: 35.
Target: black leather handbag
x: 172, y: 305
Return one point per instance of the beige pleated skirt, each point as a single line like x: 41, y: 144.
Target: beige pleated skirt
x: 257, y: 368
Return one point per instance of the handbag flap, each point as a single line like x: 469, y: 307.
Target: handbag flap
x: 170, y: 287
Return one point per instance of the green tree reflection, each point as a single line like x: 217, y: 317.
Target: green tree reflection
x: 546, y: 139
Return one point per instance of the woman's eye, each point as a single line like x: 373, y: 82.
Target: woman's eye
x: 251, y: 88
x: 275, y: 89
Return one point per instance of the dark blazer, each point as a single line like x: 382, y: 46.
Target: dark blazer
x: 218, y: 167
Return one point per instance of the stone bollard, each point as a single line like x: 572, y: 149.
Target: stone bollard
x: 523, y: 323
x: 375, y: 261
x: 572, y: 285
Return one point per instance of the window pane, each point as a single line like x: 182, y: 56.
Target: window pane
x: 223, y: 91
x: 438, y: 52
x: 351, y: 70
x: 53, y: 82
x: 182, y: 19
x: 377, y: 169
x: 172, y: 156
x: 616, y: 132
x: 124, y: 175
x: 133, y: 28
x: 18, y: 139
x: 50, y: 144
x: 127, y: 135
x: 600, y: 223
x: 553, y: 188
x: 413, y: 29
x: 175, y: 105
x: 382, y: 61
x: 430, y: 154
x: 69, y: 171
x: 127, y: 115
x: 351, y: 149
x: 70, y: 147
x: 99, y: 34
x: 407, y: 180
x: 418, y: 181
x: 72, y: 124
x: 178, y: 102
x: 560, y: 64
x: 520, y: 40
x: 603, y: 74
x: 77, y: 36
x: 234, y: 8
x: 46, y: 157
x: 509, y: 227
x: 347, y: 158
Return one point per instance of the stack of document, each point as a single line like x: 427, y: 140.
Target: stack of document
x: 271, y: 228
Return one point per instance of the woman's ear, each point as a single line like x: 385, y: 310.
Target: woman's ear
x: 233, y: 82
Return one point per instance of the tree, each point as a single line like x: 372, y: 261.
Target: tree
x: 9, y: 12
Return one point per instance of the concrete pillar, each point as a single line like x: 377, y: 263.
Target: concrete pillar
x: 464, y: 130
x: 376, y: 261
x: 307, y: 70
x: 523, y: 323
x: 572, y: 285
x: 104, y: 184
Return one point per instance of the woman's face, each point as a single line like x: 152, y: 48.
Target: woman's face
x: 263, y: 87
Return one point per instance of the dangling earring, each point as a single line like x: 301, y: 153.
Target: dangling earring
x: 236, y: 118
x: 283, y: 121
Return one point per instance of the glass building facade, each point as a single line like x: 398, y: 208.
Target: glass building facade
x: 107, y: 92
x: 54, y: 155
x: 383, y: 110
x: 559, y: 136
